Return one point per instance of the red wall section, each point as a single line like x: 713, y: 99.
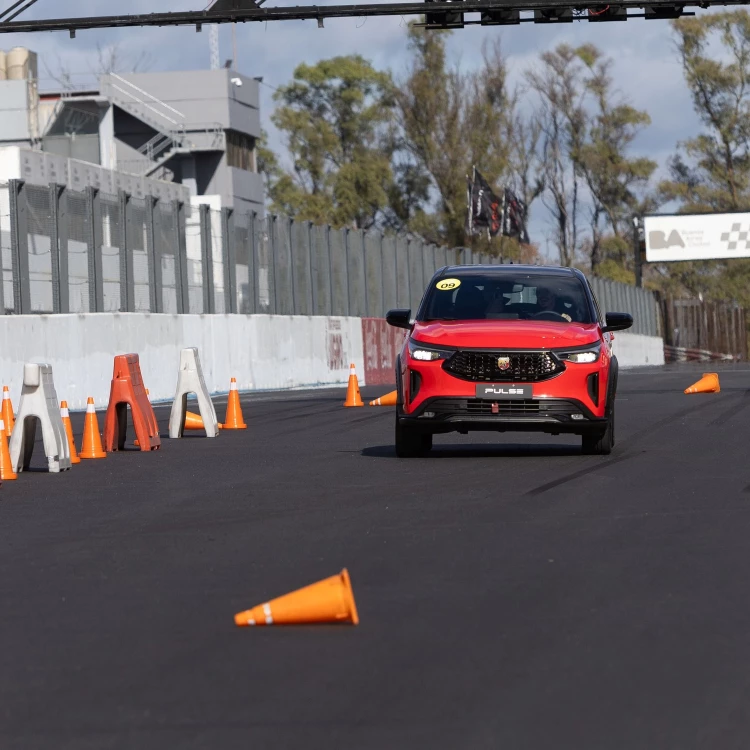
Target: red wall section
x: 381, y: 344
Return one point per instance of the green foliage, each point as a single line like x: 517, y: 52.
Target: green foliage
x: 335, y: 116
x: 449, y: 121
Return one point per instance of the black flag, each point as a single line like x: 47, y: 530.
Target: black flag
x: 485, y: 210
x: 514, y: 219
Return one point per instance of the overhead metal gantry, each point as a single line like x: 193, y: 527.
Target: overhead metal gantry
x: 437, y: 14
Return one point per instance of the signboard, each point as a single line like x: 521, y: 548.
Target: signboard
x: 697, y: 237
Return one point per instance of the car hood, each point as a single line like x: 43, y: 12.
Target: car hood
x: 504, y: 334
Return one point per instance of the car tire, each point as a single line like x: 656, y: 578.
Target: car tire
x: 601, y: 444
x: 410, y: 442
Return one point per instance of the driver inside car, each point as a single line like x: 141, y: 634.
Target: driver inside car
x: 547, y: 301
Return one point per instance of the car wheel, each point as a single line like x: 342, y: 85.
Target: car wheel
x: 410, y: 442
x: 601, y: 444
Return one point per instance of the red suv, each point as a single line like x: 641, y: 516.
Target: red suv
x: 507, y: 348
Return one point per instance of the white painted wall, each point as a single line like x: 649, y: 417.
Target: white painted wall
x: 635, y: 350
x: 262, y: 351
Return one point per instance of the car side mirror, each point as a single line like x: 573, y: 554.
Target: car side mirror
x: 617, y: 322
x: 399, y: 319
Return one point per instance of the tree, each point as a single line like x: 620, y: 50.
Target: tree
x: 449, y: 121
x: 612, y: 177
x: 335, y: 117
x: 563, y: 121
x: 711, y: 172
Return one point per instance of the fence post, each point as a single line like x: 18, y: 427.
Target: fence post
x: 230, y: 260
x: 346, y: 272
x: 637, y: 252
x: 330, y: 269
x: 382, y: 276
x: 96, y: 283
x: 180, y: 258
x: 253, y: 264
x: 57, y: 279
x: 127, y: 288
x: 155, y: 276
x: 272, y: 258
x: 207, y: 259
x: 312, y: 270
x: 19, y: 242
x: 62, y: 228
x: 292, y: 265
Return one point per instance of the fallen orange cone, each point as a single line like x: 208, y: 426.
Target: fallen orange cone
x: 6, y: 465
x: 195, y: 421
x: 234, y: 420
x: 709, y: 383
x: 329, y: 600
x: 92, y: 438
x: 8, y: 417
x: 389, y: 399
x: 65, y: 414
x: 353, y: 396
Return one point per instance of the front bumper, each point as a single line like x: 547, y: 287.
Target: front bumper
x: 551, y: 415
x: 584, y: 385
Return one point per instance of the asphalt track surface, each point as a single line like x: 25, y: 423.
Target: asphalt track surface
x: 512, y: 594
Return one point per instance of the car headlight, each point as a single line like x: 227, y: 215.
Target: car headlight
x: 582, y: 355
x: 426, y: 352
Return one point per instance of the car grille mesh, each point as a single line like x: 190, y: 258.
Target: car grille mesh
x: 524, y: 367
x: 506, y: 408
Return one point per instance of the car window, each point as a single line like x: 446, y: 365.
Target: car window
x: 560, y: 299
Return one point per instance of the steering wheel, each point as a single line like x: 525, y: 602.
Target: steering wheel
x: 549, y: 315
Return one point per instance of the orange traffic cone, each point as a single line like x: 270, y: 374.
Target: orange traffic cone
x: 195, y: 421
x: 74, y: 459
x: 353, y: 396
x: 709, y: 383
x: 329, y: 600
x: 389, y: 399
x: 6, y: 467
x: 234, y: 420
x: 8, y: 417
x: 92, y: 438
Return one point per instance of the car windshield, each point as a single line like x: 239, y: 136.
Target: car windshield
x: 556, y: 299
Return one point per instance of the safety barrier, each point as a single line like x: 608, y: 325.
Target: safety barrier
x: 264, y: 352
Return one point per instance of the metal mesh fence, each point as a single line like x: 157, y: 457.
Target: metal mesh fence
x: 109, y: 246
x: 6, y: 260
x: 138, y: 246
x: 39, y: 234
x: 217, y: 252
x: 193, y: 244
x: 165, y: 234
x: 79, y: 227
x: 92, y: 252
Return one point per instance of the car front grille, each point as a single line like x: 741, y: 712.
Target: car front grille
x: 523, y: 367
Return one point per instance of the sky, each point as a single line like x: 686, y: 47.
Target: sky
x: 646, y: 69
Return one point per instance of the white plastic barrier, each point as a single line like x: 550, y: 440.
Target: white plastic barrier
x: 264, y: 352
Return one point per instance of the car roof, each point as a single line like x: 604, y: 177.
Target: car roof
x: 508, y: 269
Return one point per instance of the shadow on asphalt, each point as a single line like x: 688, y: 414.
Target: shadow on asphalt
x: 485, y: 451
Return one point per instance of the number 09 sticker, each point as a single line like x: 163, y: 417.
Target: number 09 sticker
x: 447, y: 285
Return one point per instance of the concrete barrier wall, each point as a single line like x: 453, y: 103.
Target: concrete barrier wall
x: 264, y: 352
x: 635, y: 350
